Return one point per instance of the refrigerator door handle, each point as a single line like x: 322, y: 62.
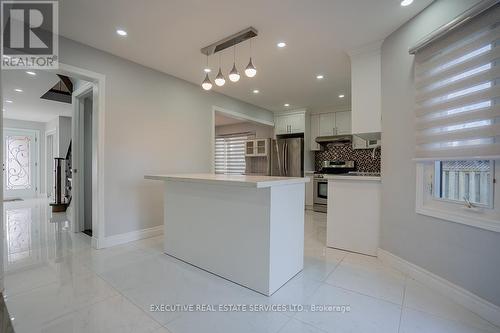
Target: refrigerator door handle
x: 285, y: 154
x: 278, y: 155
x: 282, y: 171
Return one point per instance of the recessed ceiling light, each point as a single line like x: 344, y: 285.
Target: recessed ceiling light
x: 320, y: 77
x: 341, y: 96
x: 8, y: 101
x: 121, y: 32
x: 281, y: 44
x: 405, y: 3
x: 207, y: 70
x: 256, y: 91
x: 286, y: 105
x: 18, y: 90
x: 31, y: 73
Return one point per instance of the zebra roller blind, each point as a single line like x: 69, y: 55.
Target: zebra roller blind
x: 457, y: 80
x: 230, y: 153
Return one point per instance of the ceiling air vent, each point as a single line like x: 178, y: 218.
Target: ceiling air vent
x: 61, y: 92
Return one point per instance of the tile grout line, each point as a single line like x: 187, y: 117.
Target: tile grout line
x: 403, y: 304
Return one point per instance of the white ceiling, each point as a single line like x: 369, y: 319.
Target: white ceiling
x: 28, y: 105
x: 167, y: 35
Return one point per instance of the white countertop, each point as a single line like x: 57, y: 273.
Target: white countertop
x: 235, y: 180
x: 351, y: 177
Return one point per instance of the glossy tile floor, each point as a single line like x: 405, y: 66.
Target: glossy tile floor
x: 56, y: 283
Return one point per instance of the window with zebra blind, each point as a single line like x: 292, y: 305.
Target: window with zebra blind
x: 457, y: 122
x: 230, y: 153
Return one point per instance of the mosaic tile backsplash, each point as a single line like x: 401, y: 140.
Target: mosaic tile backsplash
x: 365, y: 162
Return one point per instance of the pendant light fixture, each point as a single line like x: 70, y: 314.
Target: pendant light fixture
x: 250, y: 71
x: 234, y: 76
x: 219, y: 79
x: 225, y: 45
x: 206, y: 84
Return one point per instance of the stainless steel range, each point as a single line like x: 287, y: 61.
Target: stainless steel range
x: 320, y: 187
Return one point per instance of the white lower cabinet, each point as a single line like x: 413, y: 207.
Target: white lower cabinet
x: 353, y: 218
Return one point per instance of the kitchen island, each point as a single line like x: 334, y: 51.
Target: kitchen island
x: 247, y: 229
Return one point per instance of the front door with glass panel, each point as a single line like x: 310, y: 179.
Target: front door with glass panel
x: 20, y: 163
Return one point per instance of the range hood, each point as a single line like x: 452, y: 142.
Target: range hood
x: 369, y: 136
x: 337, y: 139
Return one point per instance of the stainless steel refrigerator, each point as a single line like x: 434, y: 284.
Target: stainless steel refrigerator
x: 287, y: 157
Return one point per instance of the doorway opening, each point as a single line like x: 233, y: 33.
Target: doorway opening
x: 85, y: 133
x: 241, y: 144
x: 50, y: 142
x: 45, y: 102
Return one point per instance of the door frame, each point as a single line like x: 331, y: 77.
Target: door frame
x: 54, y: 153
x: 98, y: 82
x: 36, y: 134
x: 232, y: 114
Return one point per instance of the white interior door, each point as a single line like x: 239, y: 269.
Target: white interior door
x: 20, y: 163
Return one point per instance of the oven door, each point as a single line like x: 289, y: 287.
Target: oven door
x: 320, y: 191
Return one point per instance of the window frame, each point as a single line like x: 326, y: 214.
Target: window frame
x: 491, y: 181
x: 455, y: 211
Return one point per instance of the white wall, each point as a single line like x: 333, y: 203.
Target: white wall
x: 63, y: 135
x: 261, y: 131
x: 464, y: 255
x: 62, y: 126
x: 40, y: 127
x: 155, y: 123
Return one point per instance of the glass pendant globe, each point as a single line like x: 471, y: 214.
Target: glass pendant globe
x: 234, y: 76
x: 250, y: 71
x: 206, y: 84
x: 219, y: 79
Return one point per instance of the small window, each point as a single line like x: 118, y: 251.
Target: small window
x: 465, y: 182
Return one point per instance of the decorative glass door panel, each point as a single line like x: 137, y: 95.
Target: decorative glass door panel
x: 20, y: 163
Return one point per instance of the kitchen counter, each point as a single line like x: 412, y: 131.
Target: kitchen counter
x: 352, y: 177
x: 246, y: 229
x: 233, y: 180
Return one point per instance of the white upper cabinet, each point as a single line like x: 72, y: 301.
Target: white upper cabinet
x: 290, y: 123
x: 327, y: 124
x: 280, y: 125
x: 315, y: 131
x: 366, y: 90
x: 343, y: 122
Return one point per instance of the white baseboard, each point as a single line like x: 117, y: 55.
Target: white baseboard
x: 130, y: 236
x: 474, y: 303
